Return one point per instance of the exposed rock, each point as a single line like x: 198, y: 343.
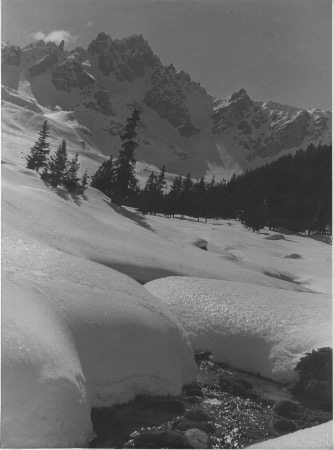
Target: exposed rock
x: 70, y: 74
x: 195, y: 438
x: 284, y: 425
x: 288, y: 409
x: 127, y: 58
x: 203, y: 356
x: 184, y: 424
x: 197, y: 415
x: 99, y: 102
x: 160, y: 439
x: 43, y: 64
x: 193, y: 390
x: 236, y: 386
x: 225, y: 116
x: 61, y: 46
x: 169, y: 105
x: 10, y: 54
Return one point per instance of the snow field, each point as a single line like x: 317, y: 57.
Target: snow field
x: 253, y: 328
x: 76, y: 335
x: 319, y: 437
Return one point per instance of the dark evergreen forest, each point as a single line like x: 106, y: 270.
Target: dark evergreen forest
x: 294, y: 192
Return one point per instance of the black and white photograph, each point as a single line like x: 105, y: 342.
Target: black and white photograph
x: 166, y: 226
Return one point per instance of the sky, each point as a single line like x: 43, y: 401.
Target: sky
x: 277, y: 50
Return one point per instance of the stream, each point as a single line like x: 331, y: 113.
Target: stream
x: 228, y: 420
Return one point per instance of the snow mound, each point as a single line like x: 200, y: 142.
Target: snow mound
x: 253, y: 328
x: 77, y: 335
x: 317, y: 437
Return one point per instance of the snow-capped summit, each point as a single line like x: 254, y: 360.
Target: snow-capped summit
x: 181, y: 125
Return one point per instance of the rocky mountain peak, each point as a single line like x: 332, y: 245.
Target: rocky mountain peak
x: 237, y: 95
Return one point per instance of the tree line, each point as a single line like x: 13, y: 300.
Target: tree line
x: 293, y: 192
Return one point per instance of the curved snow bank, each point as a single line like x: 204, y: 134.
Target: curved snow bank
x: 253, y: 328
x: 75, y: 335
x: 318, y: 437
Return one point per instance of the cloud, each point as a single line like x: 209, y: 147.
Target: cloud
x: 56, y: 36
x: 90, y: 24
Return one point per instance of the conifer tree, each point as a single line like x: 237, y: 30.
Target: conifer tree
x: 185, y: 195
x: 173, y: 197
x: 40, y: 150
x: 126, y: 181
x: 148, y: 196
x: 84, y: 181
x: 57, y: 166
x: 71, y: 179
x: 104, y: 178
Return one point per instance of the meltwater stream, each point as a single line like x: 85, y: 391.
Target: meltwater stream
x: 228, y: 420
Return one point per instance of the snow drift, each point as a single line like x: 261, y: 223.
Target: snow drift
x: 75, y: 335
x: 253, y: 328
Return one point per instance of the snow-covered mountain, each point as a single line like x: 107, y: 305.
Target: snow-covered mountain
x: 182, y: 126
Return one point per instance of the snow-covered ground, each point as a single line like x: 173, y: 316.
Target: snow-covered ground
x: 77, y: 333
x: 254, y: 328
x: 318, y: 437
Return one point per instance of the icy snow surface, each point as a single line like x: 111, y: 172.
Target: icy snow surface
x: 254, y: 328
x: 319, y: 437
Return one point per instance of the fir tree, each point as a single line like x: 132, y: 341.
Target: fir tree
x: 173, y: 197
x: 104, y: 178
x: 57, y: 166
x: 84, y: 181
x: 71, y: 179
x: 126, y: 181
x: 185, y: 195
x: 147, y: 203
x: 39, y: 152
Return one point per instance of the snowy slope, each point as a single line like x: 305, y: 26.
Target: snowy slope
x: 257, y: 329
x: 75, y: 335
x: 319, y: 437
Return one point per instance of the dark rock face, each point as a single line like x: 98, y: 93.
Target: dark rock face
x: 100, y: 102
x: 169, y: 105
x: 10, y: 54
x: 43, y: 65
x: 70, y: 74
x: 236, y: 109
x: 127, y: 58
x: 284, y: 425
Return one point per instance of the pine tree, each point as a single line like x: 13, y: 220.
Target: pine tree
x: 198, y: 200
x: 104, y: 178
x: 126, y: 181
x: 173, y: 197
x: 148, y: 196
x: 57, y: 166
x: 71, y: 179
x: 84, y: 181
x: 185, y: 195
x: 39, y: 152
